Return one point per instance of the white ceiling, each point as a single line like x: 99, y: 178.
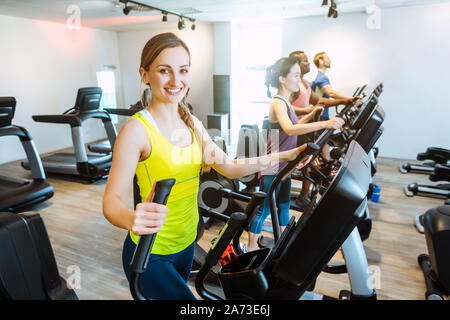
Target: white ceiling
x: 108, y: 14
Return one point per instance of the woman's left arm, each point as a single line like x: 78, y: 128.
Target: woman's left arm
x: 310, y: 117
x: 236, y: 168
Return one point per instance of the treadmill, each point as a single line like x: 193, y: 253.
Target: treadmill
x: 90, y: 166
x: 105, y: 146
x: 17, y: 194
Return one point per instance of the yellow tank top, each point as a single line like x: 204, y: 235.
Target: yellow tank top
x: 184, y: 164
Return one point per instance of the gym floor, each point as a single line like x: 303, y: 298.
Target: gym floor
x: 82, y: 237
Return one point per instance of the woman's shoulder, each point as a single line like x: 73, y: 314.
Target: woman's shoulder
x: 132, y: 138
x: 278, y: 102
x: 133, y: 129
x: 131, y: 124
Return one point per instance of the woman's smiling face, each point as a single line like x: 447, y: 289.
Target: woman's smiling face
x: 168, y: 75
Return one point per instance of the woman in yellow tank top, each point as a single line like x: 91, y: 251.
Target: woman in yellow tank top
x: 166, y: 141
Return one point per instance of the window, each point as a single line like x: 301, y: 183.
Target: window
x: 257, y: 47
x: 105, y: 80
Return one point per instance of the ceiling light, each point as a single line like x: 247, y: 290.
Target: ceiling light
x: 138, y: 6
x: 181, y: 24
x: 333, y: 4
x: 331, y: 11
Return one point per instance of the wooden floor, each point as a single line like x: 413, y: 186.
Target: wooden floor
x: 82, y: 237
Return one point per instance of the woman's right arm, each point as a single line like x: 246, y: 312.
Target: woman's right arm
x: 302, y: 111
x: 131, y: 143
x: 291, y: 129
x: 310, y: 117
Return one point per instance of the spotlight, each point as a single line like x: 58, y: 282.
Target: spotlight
x: 331, y: 11
x: 324, y: 3
x: 181, y: 24
x: 193, y: 26
x: 126, y: 11
x: 164, y: 18
x: 333, y: 5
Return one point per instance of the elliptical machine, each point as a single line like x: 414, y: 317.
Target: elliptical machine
x: 28, y: 269
x: 436, y: 264
x: 364, y: 128
x: 436, y: 191
x: 441, y: 191
x: 302, y: 251
x: 250, y: 144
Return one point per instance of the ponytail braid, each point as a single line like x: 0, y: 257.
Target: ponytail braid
x: 188, y: 119
x: 268, y: 81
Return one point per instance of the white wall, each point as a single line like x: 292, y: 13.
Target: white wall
x: 409, y: 54
x: 201, y: 45
x: 42, y: 65
x: 223, y: 32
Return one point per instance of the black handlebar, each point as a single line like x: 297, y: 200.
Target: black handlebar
x: 230, y: 232
x: 257, y: 199
x: 234, y: 225
x: 144, y: 247
x: 121, y: 112
x: 354, y: 121
x: 326, y: 134
x: 311, y: 150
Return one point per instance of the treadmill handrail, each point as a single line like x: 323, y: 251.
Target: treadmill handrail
x: 121, y: 112
x: 37, y: 170
x: 74, y: 119
x: 20, y: 196
x: 14, y: 130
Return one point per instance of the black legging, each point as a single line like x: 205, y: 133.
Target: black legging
x: 166, y: 275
